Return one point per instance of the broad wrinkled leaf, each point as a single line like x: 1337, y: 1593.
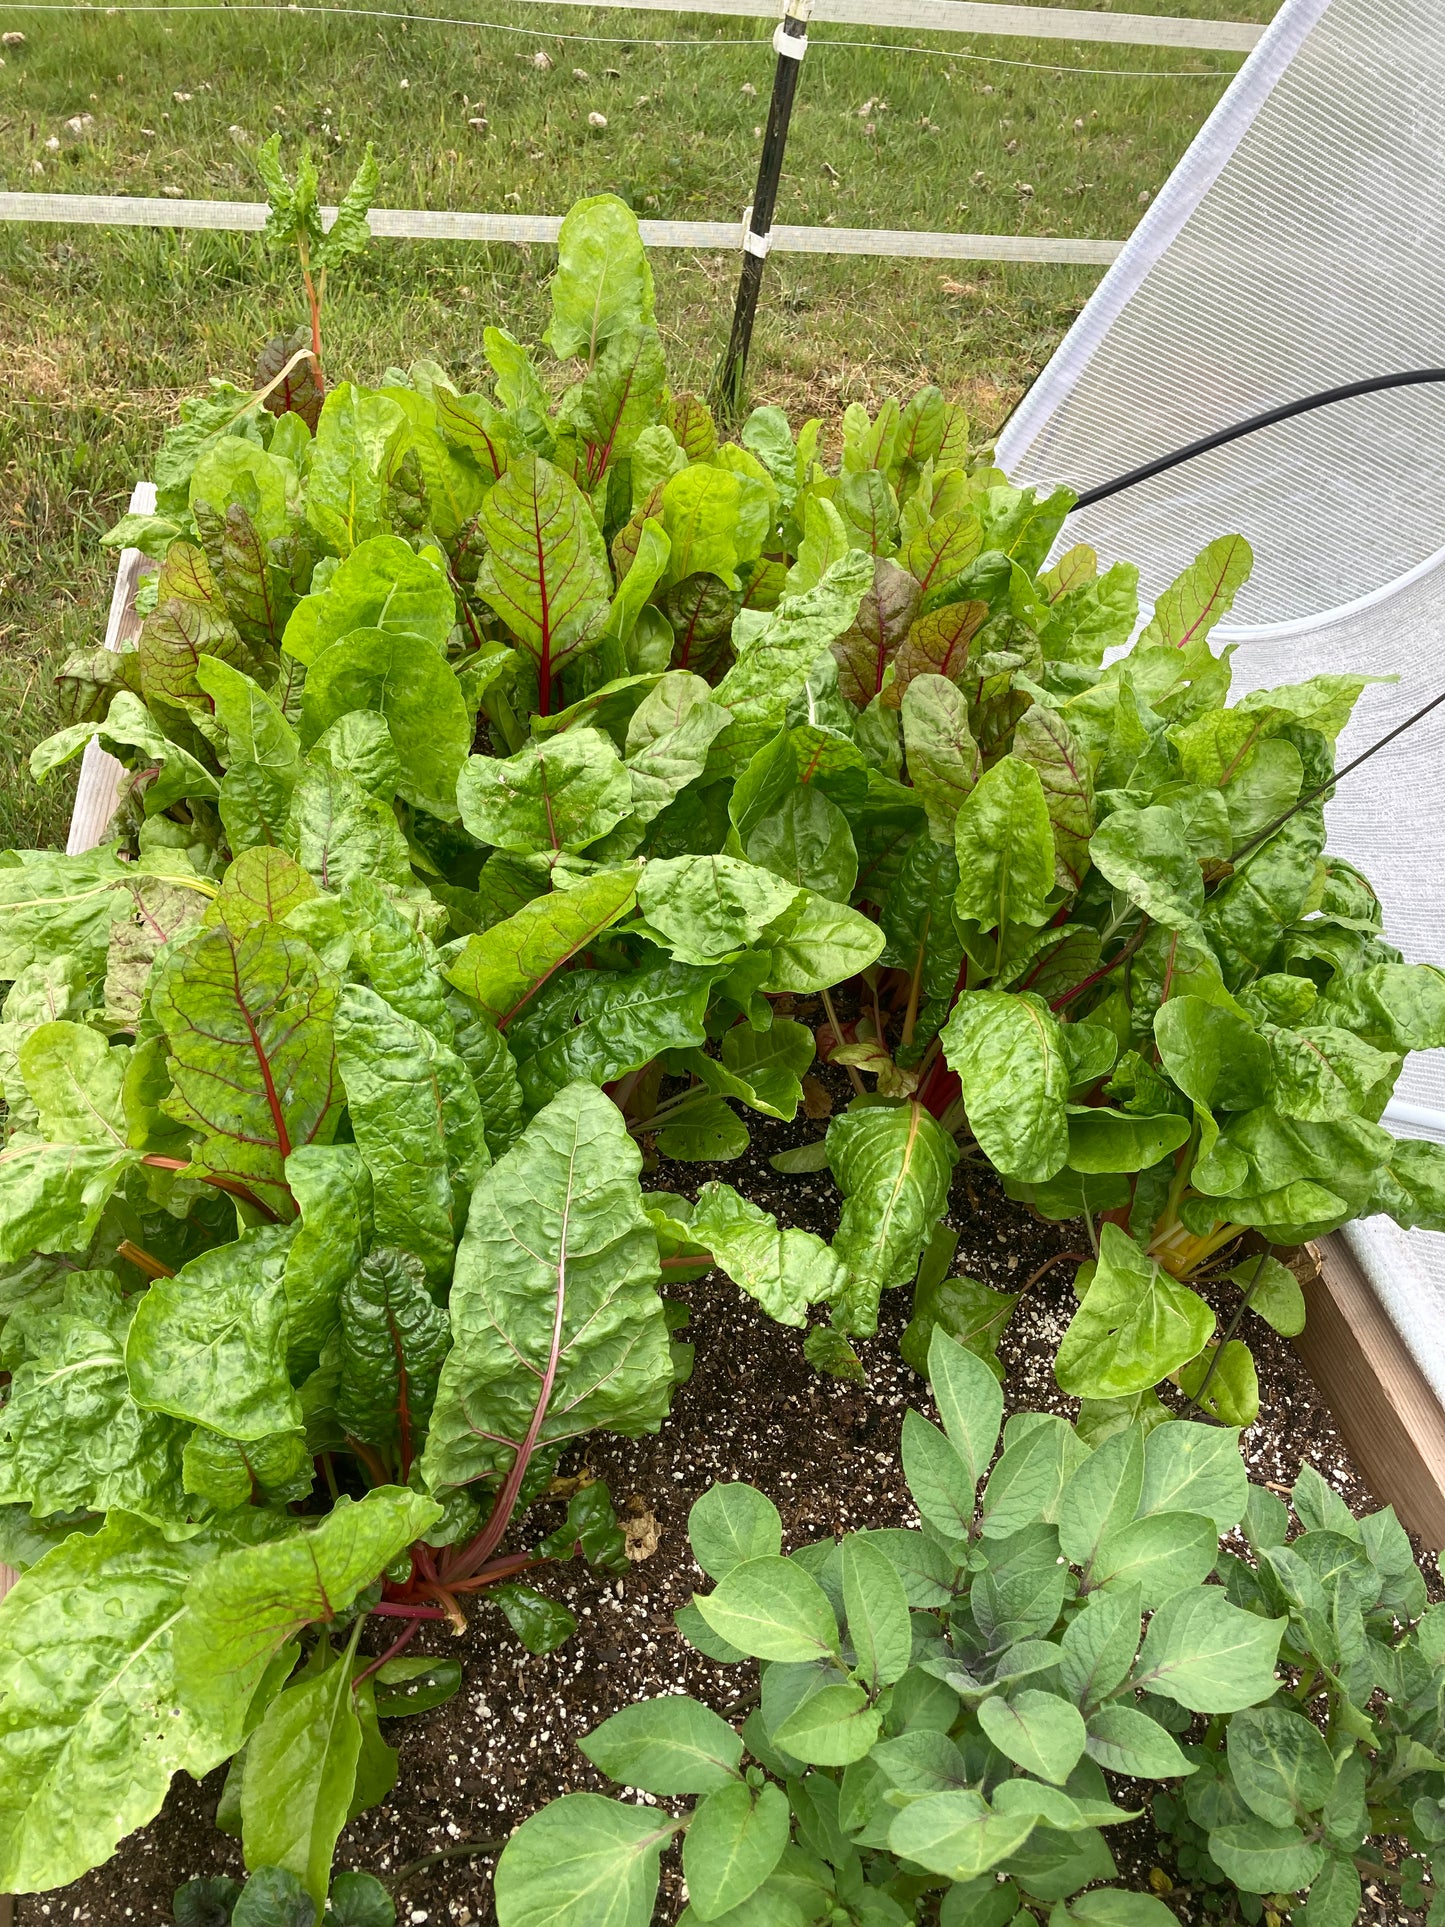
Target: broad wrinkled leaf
x: 603, y: 282
x: 346, y: 483
x: 1044, y: 739
x: 394, y: 1337
x: 209, y: 1345
x: 52, y: 1195
x: 583, y: 1861
x: 262, y: 752
x: 600, y: 1024
x: 807, y: 841
x: 545, y: 572
x: 785, y: 1271
x: 668, y: 738
x: 74, y: 1080
x: 54, y: 906
x: 938, y: 644
x: 332, y: 1190
x: 541, y: 1624
x: 383, y: 584
x: 710, y: 906
x: 416, y: 1120
x: 1146, y: 854
x: 245, y: 1606
x: 893, y: 1166
x: 189, y: 623
x: 94, y: 1724
x: 1004, y: 843
x: 1141, y: 1326
x: 865, y: 652
x: 1015, y: 1072
x: 716, y: 521
x: 617, y: 400
x: 414, y: 690
x: 943, y: 759
x: 818, y: 943
x: 556, y: 1270
x: 1223, y: 1382
x: 249, y: 1028
x: 339, y: 833
x: 73, y: 1438
x: 561, y: 793
x: 229, y: 1472
x: 503, y: 968
x: 775, y: 656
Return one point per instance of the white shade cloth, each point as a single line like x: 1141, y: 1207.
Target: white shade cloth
x: 1300, y: 244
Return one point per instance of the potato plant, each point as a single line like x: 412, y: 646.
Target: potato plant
x: 942, y: 1712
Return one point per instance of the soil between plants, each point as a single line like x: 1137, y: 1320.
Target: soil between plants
x: 826, y: 1453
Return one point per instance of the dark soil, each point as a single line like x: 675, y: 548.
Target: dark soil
x: 825, y: 1452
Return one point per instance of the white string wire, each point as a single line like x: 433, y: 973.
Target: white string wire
x: 608, y: 39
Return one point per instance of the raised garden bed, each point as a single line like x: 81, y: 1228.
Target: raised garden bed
x: 519, y: 800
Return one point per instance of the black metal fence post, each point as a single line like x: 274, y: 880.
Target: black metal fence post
x: 790, y: 42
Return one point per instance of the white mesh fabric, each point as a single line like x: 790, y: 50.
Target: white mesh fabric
x: 1300, y: 244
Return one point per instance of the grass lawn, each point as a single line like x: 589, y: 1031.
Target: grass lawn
x: 102, y: 330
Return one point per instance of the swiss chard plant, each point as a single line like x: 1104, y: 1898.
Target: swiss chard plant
x: 657, y: 727
x: 942, y: 1714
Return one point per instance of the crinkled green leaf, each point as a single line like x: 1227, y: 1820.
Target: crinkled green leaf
x: 249, y: 1024
x: 1202, y: 596
x: 545, y: 570
x: 382, y: 584
x: 346, y: 484
x: 560, y: 793
x: 1004, y: 842
x: 416, y: 1120
x: 245, y: 1606
x: 95, y: 1724
x: 301, y: 1765
x: 893, y: 1165
x: 394, y: 1337
x: 1141, y: 1326
x: 503, y: 968
x: 603, y: 282
x: 785, y: 1270
x: 209, y: 1345
x: 1015, y: 1071
x: 558, y: 1261
x: 414, y: 689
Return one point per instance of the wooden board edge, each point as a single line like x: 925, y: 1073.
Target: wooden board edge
x: 1387, y: 1413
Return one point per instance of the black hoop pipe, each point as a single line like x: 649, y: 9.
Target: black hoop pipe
x: 1412, y: 378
